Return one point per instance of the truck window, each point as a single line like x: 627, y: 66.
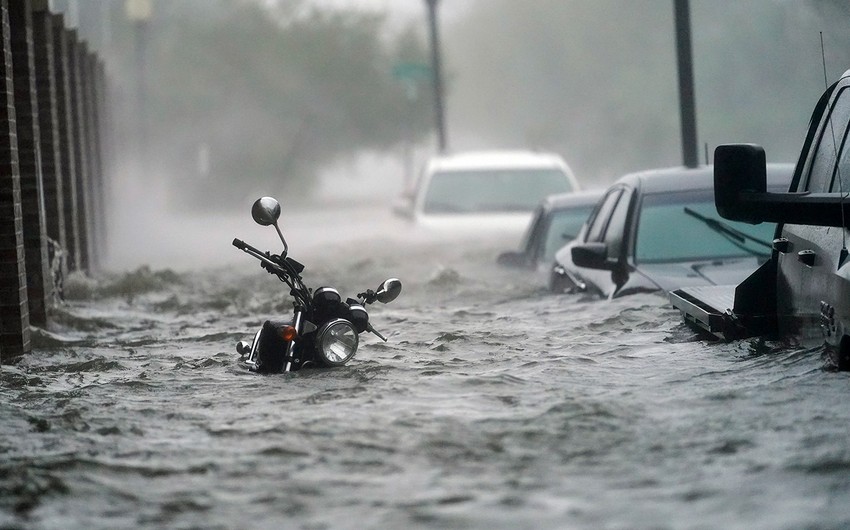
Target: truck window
x: 600, y: 220
x: 841, y: 178
x: 823, y: 163
x: 617, y: 226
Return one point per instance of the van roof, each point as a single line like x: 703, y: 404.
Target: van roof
x: 497, y: 159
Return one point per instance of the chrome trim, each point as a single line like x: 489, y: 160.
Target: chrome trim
x: 251, y: 361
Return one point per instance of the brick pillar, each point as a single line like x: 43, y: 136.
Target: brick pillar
x: 76, y: 52
x: 51, y: 159
x: 39, y: 281
x: 95, y: 168
x: 102, y: 142
x: 87, y: 133
x: 14, y: 309
x: 67, y: 138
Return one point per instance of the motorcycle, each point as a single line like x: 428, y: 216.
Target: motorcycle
x: 324, y: 329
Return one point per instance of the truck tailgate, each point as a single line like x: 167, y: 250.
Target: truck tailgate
x: 708, y: 308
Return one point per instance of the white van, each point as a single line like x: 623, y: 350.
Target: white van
x: 493, y: 191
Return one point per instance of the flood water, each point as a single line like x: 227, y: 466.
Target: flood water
x: 492, y: 405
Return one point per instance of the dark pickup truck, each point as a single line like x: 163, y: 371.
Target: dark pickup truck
x: 803, y: 292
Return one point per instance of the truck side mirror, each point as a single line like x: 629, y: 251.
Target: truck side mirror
x: 403, y: 207
x: 738, y: 169
x: 592, y: 256
x: 740, y: 183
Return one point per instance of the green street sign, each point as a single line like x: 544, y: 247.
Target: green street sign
x: 412, y: 71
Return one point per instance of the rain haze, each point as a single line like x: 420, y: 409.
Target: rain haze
x: 234, y: 111
x: 495, y: 402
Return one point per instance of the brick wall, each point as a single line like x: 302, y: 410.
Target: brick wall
x: 14, y: 307
x: 76, y: 60
x: 67, y: 138
x: 52, y: 185
x: 39, y: 286
x: 51, y: 159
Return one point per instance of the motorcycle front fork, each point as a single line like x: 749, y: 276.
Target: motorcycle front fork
x: 297, y: 324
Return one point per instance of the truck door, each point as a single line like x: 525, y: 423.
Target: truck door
x: 599, y: 230
x: 812, y: 282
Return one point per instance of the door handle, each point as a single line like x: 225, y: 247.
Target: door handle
x: 806, y: 257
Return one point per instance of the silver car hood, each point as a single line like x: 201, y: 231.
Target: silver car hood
x: 669, y: 276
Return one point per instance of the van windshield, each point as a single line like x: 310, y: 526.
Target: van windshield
x: 686, y: 227
x: 492, y: 190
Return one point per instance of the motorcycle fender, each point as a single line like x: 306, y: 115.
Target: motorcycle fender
x: 271, y: 348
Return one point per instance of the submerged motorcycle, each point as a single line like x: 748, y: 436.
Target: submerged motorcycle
x: 324, y: 329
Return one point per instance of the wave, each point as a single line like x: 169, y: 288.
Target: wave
x: 125, y: 285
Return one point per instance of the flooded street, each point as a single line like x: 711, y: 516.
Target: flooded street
x: 492, y: 405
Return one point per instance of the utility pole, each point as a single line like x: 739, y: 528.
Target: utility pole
x: 437, y: 75
x: 139, y: 12
x: 687, y: 100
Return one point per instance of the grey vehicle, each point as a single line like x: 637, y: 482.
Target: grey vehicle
x: 803, y: 292
x: 484, y: 193
x: 556, y: 221
x: 658, y: 230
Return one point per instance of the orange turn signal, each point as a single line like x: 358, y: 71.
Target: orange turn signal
x: 288, y: 333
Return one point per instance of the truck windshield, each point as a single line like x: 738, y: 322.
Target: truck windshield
x: 686, y: 227
x: 492, y: 190
x: 564, y: 227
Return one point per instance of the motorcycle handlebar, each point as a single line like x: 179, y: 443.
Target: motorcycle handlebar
x: 257, y: 253
x: 241, y: 245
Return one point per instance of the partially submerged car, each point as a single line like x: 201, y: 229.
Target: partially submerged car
x: 556, y: 221
x: 803, y: 292
x: 493, y: 191
x: 658, y: 230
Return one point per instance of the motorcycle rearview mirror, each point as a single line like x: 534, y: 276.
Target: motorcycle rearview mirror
x: 266, y: 212
x: 388, y: 290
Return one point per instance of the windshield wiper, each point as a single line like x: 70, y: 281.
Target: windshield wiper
x: 738, y: 237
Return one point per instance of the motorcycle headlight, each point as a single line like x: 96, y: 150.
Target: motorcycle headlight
x: 337, y: 342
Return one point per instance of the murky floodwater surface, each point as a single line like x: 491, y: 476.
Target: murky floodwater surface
x: 492, y: 405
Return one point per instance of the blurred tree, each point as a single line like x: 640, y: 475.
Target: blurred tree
x: 267, y: 93
x: 248, y: 97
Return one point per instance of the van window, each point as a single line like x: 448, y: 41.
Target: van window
x: 494, y: 190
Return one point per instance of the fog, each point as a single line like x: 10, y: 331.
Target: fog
x: 304, y: 100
